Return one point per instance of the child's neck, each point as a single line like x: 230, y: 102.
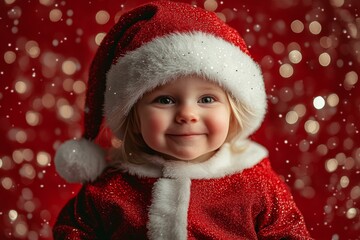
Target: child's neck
x: 200, y: 159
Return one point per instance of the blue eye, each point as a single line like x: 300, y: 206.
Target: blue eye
x: 165, y: 100
x: 207, y: 99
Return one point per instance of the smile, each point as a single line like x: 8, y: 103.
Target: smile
x: 185, y: 135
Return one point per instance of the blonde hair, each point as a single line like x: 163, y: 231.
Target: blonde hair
x: 133, y: 143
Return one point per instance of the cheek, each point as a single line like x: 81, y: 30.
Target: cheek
x: 152, y: 124
x: 153, y: 127
x: 218, y: 122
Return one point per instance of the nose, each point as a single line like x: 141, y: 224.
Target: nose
x: 186, y: 113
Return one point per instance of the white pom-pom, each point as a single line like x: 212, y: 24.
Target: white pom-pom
x: 79, y: 161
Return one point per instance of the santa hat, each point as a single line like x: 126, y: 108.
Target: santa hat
x: 148, y: 47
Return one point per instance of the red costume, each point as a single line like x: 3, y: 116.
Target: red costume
x: 230, y: 196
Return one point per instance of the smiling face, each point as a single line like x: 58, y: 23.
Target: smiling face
x: 187, y: 119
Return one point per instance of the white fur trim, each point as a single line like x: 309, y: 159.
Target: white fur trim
x: 168, y: 211
x: 224, y: 162
x: 79, y: 161
x: 166, y: 58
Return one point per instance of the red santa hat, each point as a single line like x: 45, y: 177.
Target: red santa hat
x: 148, y: 47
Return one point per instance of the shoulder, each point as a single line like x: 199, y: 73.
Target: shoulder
x: 110, y: 174
x: 262, y: 177
x: 262, y: 169
x: 110, y: 179
x: 116, y: 180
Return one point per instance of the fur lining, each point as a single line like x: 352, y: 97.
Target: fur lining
x: 165, y: 58
x: 168, y: 212
x: 224, y: 162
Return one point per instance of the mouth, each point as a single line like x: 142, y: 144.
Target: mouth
x: 185, y: 136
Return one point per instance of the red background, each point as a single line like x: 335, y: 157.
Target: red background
x: 321, y: 165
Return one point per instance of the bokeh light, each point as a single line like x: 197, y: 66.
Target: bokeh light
x: 315, y: 27
x: 99, y: 37
x: 55, y: 15
x: 69, y: 67
x: 210, y: 5
x: 295, y: 56
x: 319, y: 102
x: 9, y: 57
x: 286, y: 70
x: 102, y: 17
x: 297, y: 26
x: 324, y: 59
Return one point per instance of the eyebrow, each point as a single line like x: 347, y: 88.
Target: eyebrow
x: 209, y: 87
x: 213, y: 88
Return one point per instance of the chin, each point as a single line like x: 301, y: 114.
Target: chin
x: 192, y: 158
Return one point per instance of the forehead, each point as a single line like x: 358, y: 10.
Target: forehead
x: 189, y: 82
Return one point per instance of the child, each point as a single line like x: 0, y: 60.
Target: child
x: 180, y: 89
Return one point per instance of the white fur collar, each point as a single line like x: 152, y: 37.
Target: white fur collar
x: 224, y: 162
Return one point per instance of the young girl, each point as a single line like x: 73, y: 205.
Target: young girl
x: 180, y: 89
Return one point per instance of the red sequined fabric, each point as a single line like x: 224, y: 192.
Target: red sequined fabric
x: 254, y: 204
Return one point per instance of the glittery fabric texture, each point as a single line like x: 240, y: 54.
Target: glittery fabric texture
x: 254, y: 204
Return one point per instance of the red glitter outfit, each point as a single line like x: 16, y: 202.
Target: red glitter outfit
x: 236, y: 198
